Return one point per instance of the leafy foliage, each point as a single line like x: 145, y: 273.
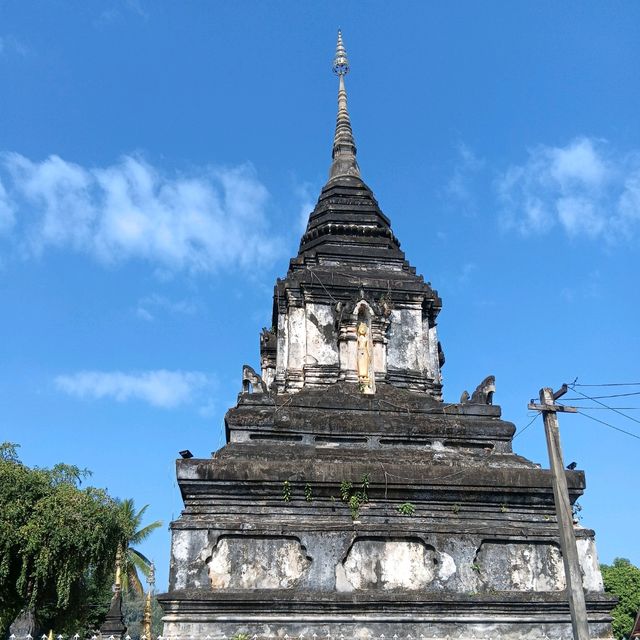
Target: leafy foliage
x: 354, y: 506
x: 622, y: 579
x: 134, y: 561
x: 345, y: 490
x: 406, y: 509
x: 366, y: 481
x: 308, y: 492
x: 355, y: 499
x: 57, y: 544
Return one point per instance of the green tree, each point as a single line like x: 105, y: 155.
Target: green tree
x: 622, y: 579
x: 134, y: 560
x: 57, y: 544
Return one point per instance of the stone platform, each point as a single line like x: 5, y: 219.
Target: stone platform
x: 479, y: 552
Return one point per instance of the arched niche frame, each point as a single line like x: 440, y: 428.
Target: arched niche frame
x: 376, y: 319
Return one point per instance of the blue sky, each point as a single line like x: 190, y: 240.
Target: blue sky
x: 157, y: 163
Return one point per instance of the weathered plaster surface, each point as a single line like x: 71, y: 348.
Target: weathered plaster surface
x: 280, y: 627
x: 297, y: 338
x: 185, y: 545
x: 520, y: 566
x: 321, y: 339
x: 405, y: 340
x: 591, y: 576
x: 433, y: 368
x: 282, y: 354
x: 447, y: 567
x: 257, y: 562
x: 387, y: 564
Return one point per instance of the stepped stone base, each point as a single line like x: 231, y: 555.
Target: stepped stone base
x: 509, y: 616
x: 477, y: 556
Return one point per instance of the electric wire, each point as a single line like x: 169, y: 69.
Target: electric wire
x: 614, y: 395
x: 606, y: 424
x: 608, y: 384
x: 606, y: 408
x: 526, y: 427
x: 602, y: 404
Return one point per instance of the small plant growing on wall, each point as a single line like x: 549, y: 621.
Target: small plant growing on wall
x: 354, y: 506
x: 286, y: 491
x: 365, y: 487
x: 456, y: 508
x: 308, y: 494
x: 406, y: 509
x: 355, y: 499
x: 240, y: 636
x: 345, y: 490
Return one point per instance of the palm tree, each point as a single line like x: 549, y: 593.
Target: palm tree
x: 133, y: 560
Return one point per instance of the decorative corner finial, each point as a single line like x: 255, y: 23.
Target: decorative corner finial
x: 340, y: 62
x: 151, y: 579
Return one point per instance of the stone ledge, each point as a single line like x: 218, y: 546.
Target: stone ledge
x: 275, y: 465
x: 437, y: 605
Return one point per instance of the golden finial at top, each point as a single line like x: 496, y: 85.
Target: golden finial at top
x: 344, y: 149
x: 340, y: 62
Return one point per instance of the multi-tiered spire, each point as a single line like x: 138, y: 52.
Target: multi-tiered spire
x: 344, y: 148
x: 347, y: 213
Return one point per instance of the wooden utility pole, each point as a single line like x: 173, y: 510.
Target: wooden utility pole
x: 573, y: 574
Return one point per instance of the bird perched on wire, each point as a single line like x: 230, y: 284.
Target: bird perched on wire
x: 571, y: 466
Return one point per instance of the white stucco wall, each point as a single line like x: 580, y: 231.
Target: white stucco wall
x: 405, y: 340
x: 319, y: 324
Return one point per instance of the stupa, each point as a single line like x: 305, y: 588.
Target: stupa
x: 350, y: 499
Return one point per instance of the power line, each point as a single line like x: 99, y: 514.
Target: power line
x: 614, y: 395
x: 602, y: 404
x: 609, y: 384
x: 525, y: 428
x: 606, y: 424
x: 607, y: 408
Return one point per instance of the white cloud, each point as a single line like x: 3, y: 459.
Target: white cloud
x: 305, y: 193
x: 204, y: 221
x: 160, y: 388
x: 121, y: 11
x: 7, y: 217
x: 591, y: 288
x: 578, y: 163
x: 149, y: 306
x: 10, y: 44
x: 461, y: 189
x: 466, y: 273
x: 584, y: 187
